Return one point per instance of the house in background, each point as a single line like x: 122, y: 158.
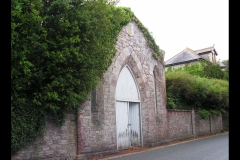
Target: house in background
x: 189, y: 56
x: 223, y: 66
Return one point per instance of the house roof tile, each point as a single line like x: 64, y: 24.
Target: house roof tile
x: 199, y: 51
x: 184, y: 56
x: 204, y: 50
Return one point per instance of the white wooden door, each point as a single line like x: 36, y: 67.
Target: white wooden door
x: 134, y: 123
x: 127, y: 111
x: 122, y: 120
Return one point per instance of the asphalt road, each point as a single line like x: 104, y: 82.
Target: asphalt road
x: 210, y: 148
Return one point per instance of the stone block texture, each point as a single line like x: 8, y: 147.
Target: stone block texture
x: 180, y: 124
x: 202, y: 125
x: 216, y: 123
x: 57, y: 143
x: 98, y: 130
x: 183, y: 124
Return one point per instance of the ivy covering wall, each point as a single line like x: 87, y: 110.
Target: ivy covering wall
x: 59, y: 51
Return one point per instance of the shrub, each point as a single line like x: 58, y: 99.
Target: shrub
x: 187, y: 91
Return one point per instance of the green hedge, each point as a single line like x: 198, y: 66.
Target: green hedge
x: 186, y: 91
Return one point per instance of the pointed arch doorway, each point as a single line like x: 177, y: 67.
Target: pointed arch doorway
x: 128, y: 120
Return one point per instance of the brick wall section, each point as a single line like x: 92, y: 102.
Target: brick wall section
x: 180, y: 124
x: 57, y: 142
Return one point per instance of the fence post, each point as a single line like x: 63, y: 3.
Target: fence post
x: 193, y: 123
x: 210, y: 124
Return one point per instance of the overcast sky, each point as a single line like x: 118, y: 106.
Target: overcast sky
x: 178, y: 24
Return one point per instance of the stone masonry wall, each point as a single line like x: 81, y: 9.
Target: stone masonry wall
x: 97, y: 131
x: 57, y: 142
x: 213, y: 124
x: 186, y: 124
x: 134, y: 51
x: 216, y: 123
x: 202, y: 126
x: 180, y: 124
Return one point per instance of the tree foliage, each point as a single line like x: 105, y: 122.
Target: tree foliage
x: 27, y: 118
x: 59, y: 51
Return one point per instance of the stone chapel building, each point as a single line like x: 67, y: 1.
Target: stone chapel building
x: 128, y: 108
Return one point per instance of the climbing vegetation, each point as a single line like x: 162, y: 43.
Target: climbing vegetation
x: 59, y: 51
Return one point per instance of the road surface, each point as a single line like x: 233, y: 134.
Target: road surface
x: 210, y: 148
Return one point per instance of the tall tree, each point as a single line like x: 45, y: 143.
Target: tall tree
x: 59, y: 51
x: 27, y: 45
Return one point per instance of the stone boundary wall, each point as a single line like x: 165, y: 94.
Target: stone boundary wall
x: 61, y: 142
x: 216, y: 124
x: 57, y: 142
x: 180, y: 124
x: 202, y: 126
x: 225, y: 121
x: 184, y: 124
